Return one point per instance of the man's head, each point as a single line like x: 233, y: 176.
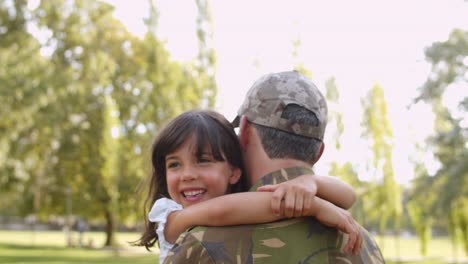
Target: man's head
x: 289, y: 114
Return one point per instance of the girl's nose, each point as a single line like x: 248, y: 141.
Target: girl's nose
x: 189, y: 174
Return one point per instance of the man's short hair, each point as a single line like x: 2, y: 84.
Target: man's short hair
x: 280, y: 144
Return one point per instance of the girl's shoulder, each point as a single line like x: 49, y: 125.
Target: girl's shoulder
x: 161, y: 209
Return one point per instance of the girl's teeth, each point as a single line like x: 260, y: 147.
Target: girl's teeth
x: 193, y: 193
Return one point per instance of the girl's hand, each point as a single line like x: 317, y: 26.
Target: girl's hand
x: 297, y: 194
x: 334, y: 216
x: 298, y: 197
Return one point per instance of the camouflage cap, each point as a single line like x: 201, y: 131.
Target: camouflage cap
x: 269, y: 96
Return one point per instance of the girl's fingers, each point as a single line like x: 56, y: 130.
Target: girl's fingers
x: 276, y: 199
x: 297, y: 199
x: 358, y: 238
x: 289, y: 203
x: 349, y: 227
x: 307, y: 205
x: 358, y: 244
x: 268, y: 188
x: 351, y: 243
x: 351, y: 239
x: 298, y: 205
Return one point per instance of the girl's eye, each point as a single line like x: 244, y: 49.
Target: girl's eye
x: 172, y: 165
x: 205, y: 159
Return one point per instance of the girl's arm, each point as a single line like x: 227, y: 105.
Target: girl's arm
x: 254, y: 208
x: 230, y: 209
x: 328, y: 188
x: 336, y: 191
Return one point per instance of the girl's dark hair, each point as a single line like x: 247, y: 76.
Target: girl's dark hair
x: 210, y: 129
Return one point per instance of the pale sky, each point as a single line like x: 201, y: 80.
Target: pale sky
x: 357, y: 42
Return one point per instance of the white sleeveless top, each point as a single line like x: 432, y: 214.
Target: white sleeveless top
x: 158, y: 214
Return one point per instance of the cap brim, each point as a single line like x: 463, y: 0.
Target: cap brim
x: 235, y: 123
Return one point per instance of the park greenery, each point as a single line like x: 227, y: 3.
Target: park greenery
x: 82, y: 98
x: 50, y: 247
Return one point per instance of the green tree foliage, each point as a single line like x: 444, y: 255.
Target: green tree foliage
x: 419, y: 207
x: 299, y: 64
x: 109, y: 174
x: 335, y: 118
x: 24, y: 90
x: 206, y: 60
x: 386, y: 194
x: 449, y: 141
x: 345, y: 171
x: 71, y: 76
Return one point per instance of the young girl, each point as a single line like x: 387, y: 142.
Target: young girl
x: 196, y: 180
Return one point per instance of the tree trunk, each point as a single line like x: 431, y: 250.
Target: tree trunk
x: 110, y: 228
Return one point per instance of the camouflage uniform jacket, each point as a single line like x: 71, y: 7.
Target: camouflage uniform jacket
x: 299, y: 240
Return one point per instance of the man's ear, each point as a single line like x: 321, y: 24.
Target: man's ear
x: 320, y: 152
x: 244, y: 132
x: 235, y: 176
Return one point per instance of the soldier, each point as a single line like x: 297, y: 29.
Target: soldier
x: 282, y: 123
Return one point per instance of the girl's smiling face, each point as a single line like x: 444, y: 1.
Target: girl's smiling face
x: 193, y: 178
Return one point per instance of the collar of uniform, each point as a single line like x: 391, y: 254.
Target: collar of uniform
x: 280, y: 176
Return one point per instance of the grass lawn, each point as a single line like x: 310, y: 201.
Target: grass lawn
x: 57, y: 238
x: 49, y: 247
x: 60, y: 255
x: 439, y: 250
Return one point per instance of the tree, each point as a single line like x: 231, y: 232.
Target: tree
x: 449, y: 141
x: 377, y: 129
x: 345, y: 171
x: 23, y: 91
x: 334, y: 116
x: 68, y: 85
x: 419, y: 206
x: 206, y: 59
x: 109, y: 152
x: 298, y: 63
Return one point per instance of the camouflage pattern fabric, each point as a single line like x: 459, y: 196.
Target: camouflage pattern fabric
x: 268, y: 97
x: 298, y: 240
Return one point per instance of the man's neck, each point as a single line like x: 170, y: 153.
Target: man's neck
x: 256, y: 160
x: 259, y: 168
